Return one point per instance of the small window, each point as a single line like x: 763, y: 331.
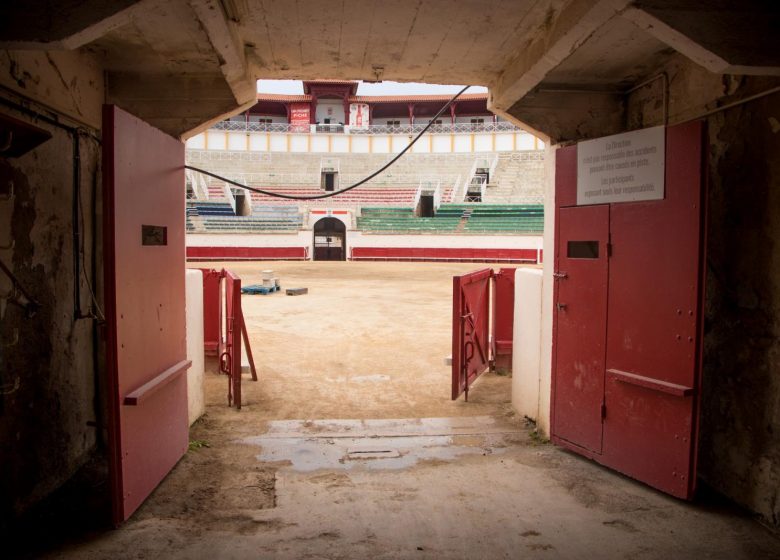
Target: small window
x: 393, y: 123
x: 583, y: 250
x: 154, y: 235
x: 264, y: 120
x: 477, y: 121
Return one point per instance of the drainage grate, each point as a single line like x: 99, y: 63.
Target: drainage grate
x: 358, y: 454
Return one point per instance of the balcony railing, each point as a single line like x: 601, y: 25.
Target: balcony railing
x: 449, y: 128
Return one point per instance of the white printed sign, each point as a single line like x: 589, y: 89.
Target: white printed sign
x: 622, y: 168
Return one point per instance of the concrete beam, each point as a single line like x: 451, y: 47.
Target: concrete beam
x: 560, y: 36
x: 38, y: 25
x: 694, y: 50
x: 227, y: 43
x: 176, y: 104
x: 570, y: 115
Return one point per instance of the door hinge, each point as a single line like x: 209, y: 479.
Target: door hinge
x: 603, y: 411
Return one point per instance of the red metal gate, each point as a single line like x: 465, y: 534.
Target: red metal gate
x: 143, y: 173
x: 212, y: 311
x: 222, y: 299
x: 230, y: 357
x: 652, y: 333
x: 470, y: 329
x: 503, y: 318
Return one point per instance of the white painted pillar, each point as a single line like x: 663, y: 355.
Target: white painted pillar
x: 527, y: 342
x: 195, y: 352
x: 545, y: 378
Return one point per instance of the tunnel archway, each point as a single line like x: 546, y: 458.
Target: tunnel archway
x: 330, y: 240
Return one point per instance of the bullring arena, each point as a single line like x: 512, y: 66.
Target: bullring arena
x: 268, y: 291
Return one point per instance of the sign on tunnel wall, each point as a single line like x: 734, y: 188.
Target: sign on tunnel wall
x: 626, y: 167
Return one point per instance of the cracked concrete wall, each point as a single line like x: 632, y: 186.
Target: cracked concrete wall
x: 739, y: 452
x: 48, y: 363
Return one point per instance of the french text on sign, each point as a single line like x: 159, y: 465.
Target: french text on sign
x: 626, y: 167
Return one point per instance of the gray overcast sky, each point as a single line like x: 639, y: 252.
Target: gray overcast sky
x: 294, y: 87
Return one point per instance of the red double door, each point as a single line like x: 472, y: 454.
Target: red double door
x: 628, y: 322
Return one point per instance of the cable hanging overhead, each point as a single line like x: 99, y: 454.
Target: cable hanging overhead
x: 349, y: 188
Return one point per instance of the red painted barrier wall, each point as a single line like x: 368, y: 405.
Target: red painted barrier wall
x: 246, y: 253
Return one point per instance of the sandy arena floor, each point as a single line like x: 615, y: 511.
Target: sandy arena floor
x: 349, y: 447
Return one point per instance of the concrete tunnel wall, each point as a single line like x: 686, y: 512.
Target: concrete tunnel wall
x: 50, y: 414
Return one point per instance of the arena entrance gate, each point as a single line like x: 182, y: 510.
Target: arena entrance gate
x: 224, y: 328
x: 330, y: 240
x: 146, y: 361
x: 627, y: 323
x: 476, y: 347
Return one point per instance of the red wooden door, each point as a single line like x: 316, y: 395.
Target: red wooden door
x: 651, y: 340
x: 470, y: 329
x: 143, y: 171
x: 581, y: 323
x: 654, y: 333
x: 503, y: 318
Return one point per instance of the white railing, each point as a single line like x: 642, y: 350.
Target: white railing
x: 493, y: 165
x: 476, y: 185
x: 243, y: 126
x: 230, y: 197
x: 448, y: 128
x: 500, y: 126
x: 200, y: 189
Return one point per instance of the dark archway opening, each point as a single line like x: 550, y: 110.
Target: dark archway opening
x: 330, y: 240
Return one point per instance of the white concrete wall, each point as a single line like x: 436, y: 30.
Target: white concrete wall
x: 319, y: 143
x: 295, y: 239
x: 339, y: 143
x: 526, y: 343
x: 545, y: 382
x: 483, y: 142
x: 194, y: 322
x: 216, y: 140
x: 237, y: 141
x: 332, y: 109
x: 257, y: 142
x: 462, y: 143
x: 360, y: 143
x: 299, y: 143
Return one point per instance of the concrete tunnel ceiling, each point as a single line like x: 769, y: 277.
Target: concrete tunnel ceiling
x: 561, y: 67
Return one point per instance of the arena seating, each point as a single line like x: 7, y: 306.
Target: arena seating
x: 497, y: 218
x: 209, y: 208
x: 403, y: 220
x: 456, y: 218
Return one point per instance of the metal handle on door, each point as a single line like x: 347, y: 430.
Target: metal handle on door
x: 560, y: 275
x: 560, y: 306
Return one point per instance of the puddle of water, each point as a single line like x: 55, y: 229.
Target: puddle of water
x: 361, y: 444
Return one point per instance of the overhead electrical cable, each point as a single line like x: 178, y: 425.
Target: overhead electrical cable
x: 349, y: 188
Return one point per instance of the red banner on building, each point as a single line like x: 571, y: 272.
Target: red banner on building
x: 300, y: 116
